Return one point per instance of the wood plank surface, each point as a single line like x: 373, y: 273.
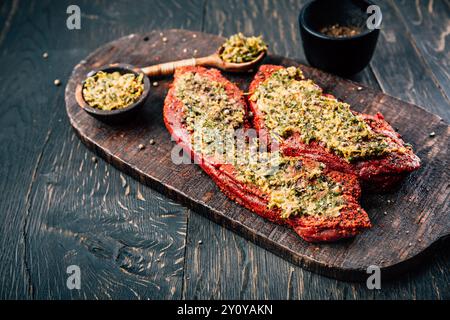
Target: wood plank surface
x: 428, y: 26
x: 27, y: 28
x: 401, y: 69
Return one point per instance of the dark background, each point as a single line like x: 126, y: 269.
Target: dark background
x: 60, y: 207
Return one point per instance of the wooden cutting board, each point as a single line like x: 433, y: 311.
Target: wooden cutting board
x: 406, y: 222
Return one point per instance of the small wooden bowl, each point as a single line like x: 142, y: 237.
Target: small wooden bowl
x: 117, y: 114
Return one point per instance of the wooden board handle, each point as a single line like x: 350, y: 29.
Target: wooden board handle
x: 168, y: 68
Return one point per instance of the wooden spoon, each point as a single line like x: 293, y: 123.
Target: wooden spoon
x: 214, y: 60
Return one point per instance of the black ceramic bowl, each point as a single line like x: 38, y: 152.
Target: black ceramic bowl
x: 118, y: 115
x: 343, y: 56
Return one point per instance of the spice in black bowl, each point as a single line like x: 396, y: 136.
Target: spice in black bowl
x: 335, y: 36
x: 338, y: 31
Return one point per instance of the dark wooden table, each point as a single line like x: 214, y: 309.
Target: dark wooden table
x: 61, y: 206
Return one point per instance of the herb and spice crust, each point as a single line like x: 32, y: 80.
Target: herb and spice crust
x: 347, y: 220
x: 381, y: 165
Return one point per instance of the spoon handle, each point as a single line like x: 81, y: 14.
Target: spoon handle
x: 168, y: 68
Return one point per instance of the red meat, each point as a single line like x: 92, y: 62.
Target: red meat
x: 380, y: 173
x: 352, y: 219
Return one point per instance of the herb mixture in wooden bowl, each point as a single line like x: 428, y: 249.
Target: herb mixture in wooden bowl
x: 111, y: 91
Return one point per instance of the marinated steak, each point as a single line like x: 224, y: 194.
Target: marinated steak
x: 207, y: 115
x: 294, y: 111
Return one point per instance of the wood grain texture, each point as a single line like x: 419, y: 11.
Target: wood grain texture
x: 428, y: 27
x: 37, y: 26
x: 226, y: 266
x: 401, y: 69
x: 59, y: 207
x: 416, y: 219
x: 20, y: 155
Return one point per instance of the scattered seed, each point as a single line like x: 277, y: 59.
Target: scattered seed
x: 184, y: 50
x: 407, y: 232
x: 57, y: 82
x: 155, y: 84
x: 164, y: 39
x: 141, y: 147
x: 139, y: 195
x: 161, y: 34
x: 158, y: 260
x: 410, y: 244
x: 359, y: 88
x: 124, y: 182
x: 385, y: 213
x: 200, y: 241
x: 152, y: 142
x: 94, y: 159
x: 389, y: 201
x: 45, y: 55
x: 194, y: 36
x: 419, y: 240
x: 432, y: 134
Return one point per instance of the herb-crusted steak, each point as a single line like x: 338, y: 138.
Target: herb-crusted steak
x: 294, y: 111
x: 203, y: 112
